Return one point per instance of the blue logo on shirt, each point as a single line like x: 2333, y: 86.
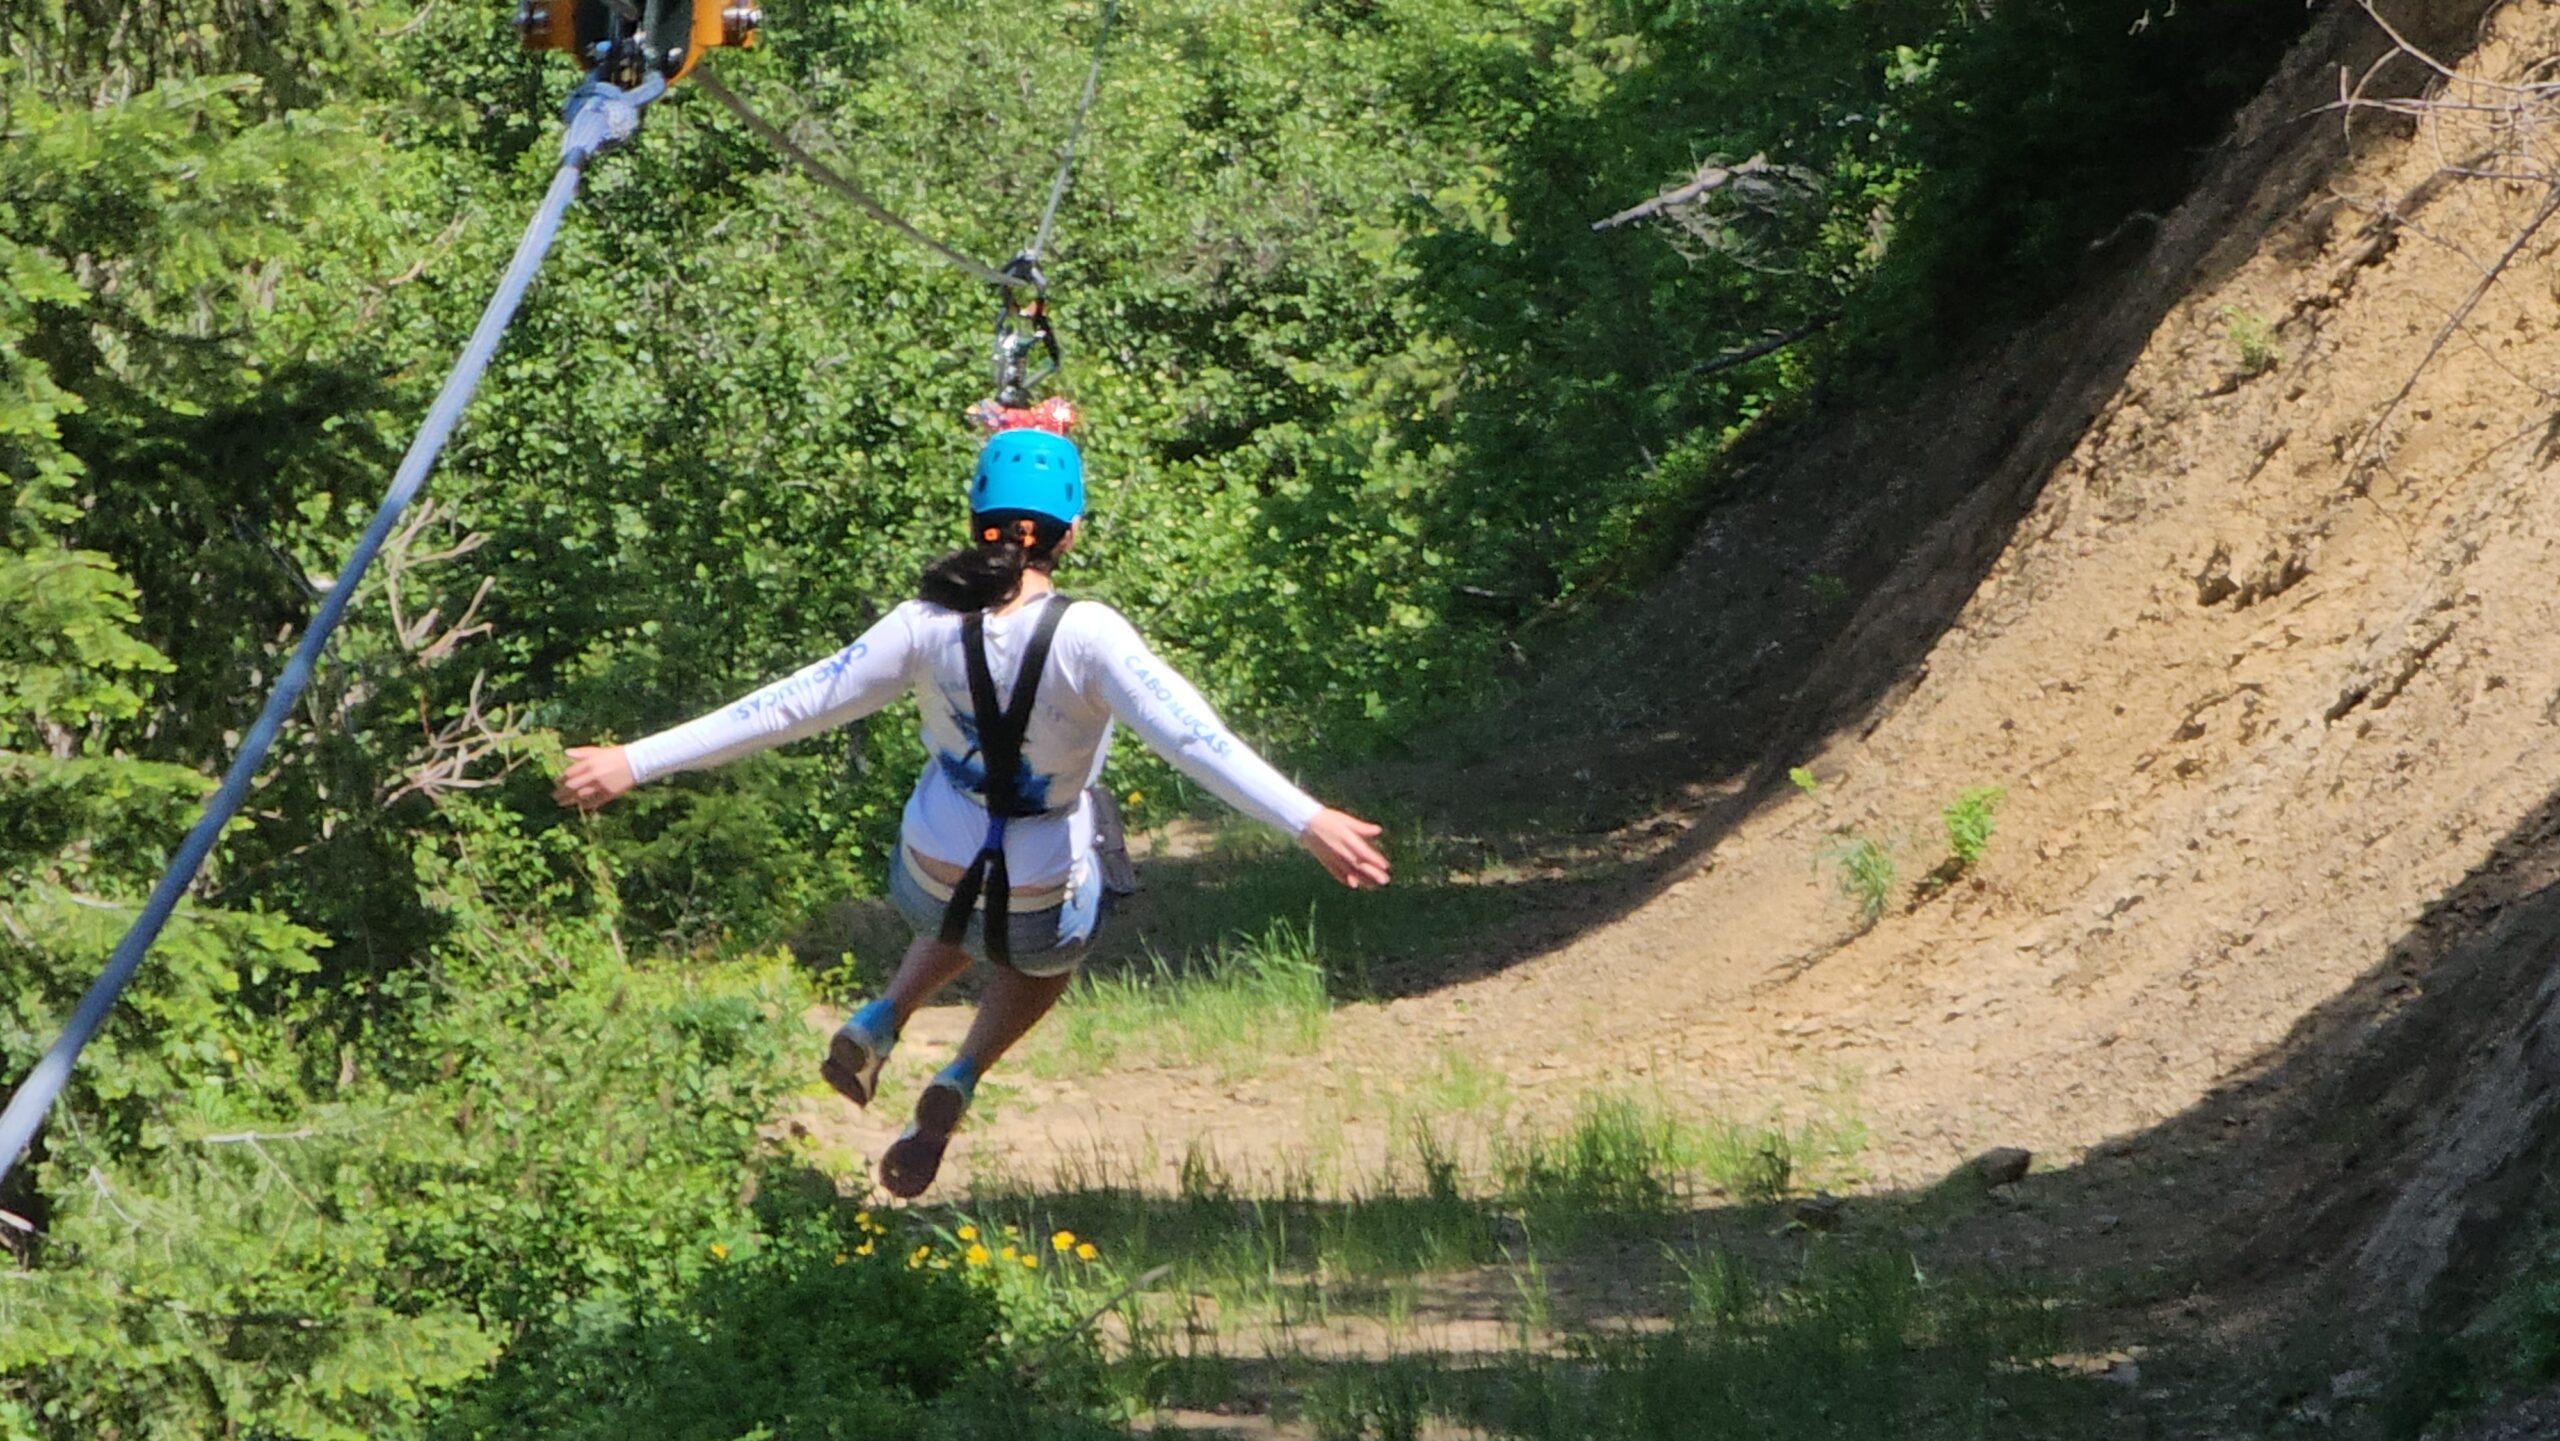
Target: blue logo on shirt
x: 1208, y: 734
x: 818, y: 677
x: 969, y: 772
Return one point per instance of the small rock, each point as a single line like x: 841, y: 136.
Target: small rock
x: 1817, y: 1212
x: 2126, y: 1373
x: 2003, y: 1165
x: 2107, y: 1224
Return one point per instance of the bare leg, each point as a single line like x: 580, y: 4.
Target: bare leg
x: 855, y: 1054
x: 1014, y: 1003
x: 929, y: 966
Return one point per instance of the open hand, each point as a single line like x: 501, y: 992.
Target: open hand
x: 1341, y: 842
x: 597, y: 775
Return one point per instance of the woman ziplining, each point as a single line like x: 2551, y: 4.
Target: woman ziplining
x: 1019, y: 688
x: 1025, y: 897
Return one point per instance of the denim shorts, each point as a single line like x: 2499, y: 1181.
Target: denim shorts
x: 1046, y: 942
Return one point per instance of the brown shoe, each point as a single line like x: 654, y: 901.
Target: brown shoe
x: 853, y: 1064
x: 915, y: 1158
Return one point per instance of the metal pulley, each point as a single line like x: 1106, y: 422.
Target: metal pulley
x: 1022, y: 330
x: 627, y: 41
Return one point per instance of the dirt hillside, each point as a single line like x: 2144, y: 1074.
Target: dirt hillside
x: 2247, y: 602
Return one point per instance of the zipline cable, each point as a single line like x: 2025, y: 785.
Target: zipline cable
x: 1067, y: 155
x: 826, y: 175
x: 1026, y: 275
x: 599, y: 116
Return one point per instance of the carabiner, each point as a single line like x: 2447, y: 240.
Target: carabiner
x: 1021, y: 327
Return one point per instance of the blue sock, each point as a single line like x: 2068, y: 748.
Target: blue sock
x: 962, y: 1073
x: 879, y: 1019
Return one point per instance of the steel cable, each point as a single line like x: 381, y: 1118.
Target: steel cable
x: 599, y: 116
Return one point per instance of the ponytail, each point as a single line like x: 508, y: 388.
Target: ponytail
x: 987, y: 574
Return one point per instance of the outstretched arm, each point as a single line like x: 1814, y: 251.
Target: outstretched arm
x: 1152, y: 698
x: 846, y: 686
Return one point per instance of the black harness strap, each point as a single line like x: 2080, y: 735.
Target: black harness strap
x: 1001, y: 727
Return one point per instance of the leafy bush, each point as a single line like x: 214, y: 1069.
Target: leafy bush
x: 1866, y: 871
x: 1969, y: 822
x: 325, y: 1265
x: 830, y: 1326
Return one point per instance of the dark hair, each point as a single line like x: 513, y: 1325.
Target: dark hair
x: 987, y: 573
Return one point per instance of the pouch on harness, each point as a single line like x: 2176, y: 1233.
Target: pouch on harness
x: 1001, y: 727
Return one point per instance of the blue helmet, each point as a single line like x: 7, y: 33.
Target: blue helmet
x: 1029, y: 470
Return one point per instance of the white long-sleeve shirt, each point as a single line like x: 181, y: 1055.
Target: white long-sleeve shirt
x: 1099, y: 671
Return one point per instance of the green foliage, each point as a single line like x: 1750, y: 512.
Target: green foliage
x: 1969, y: 823
x: 2508, y: 1347
x: 824, y: 1327
x: 1867, y: 872
x: 326, y: 1265
x: 1803, y: 779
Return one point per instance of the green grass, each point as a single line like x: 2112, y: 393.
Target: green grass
x: 1849, y: 1341
x: 2252, y: 339
x: 1626, y: 1161
x: 1624, y: 1170
x: 1236, y: 1010
x: 1449, y: 896
x: 1458, y: 1087
x: 1629, y: 1258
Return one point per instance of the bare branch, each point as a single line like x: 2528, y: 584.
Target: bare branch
x: 1716, y: 209
x: 2521, y: 148
x: 237, y: 1138
x: 1769, y: 346
x: 450, y: 752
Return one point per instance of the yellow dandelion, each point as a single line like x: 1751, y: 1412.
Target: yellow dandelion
x: 862, y: 1250
x: 1063, y: 1242
x: 1009, y: 1253
x: 976, y: 1255
x: 1085, y: 1251
x: 719, y: 1252
x: 839, y: 1258
x: 862, y: 1218
x: 1136, y: 796
x: 1030, y: 1261
x: 916, y: 1257
x: 968, y: 1233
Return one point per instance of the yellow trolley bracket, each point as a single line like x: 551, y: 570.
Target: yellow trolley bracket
x: 631, y: 40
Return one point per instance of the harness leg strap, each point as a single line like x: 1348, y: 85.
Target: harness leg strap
x: 1001, y: 727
